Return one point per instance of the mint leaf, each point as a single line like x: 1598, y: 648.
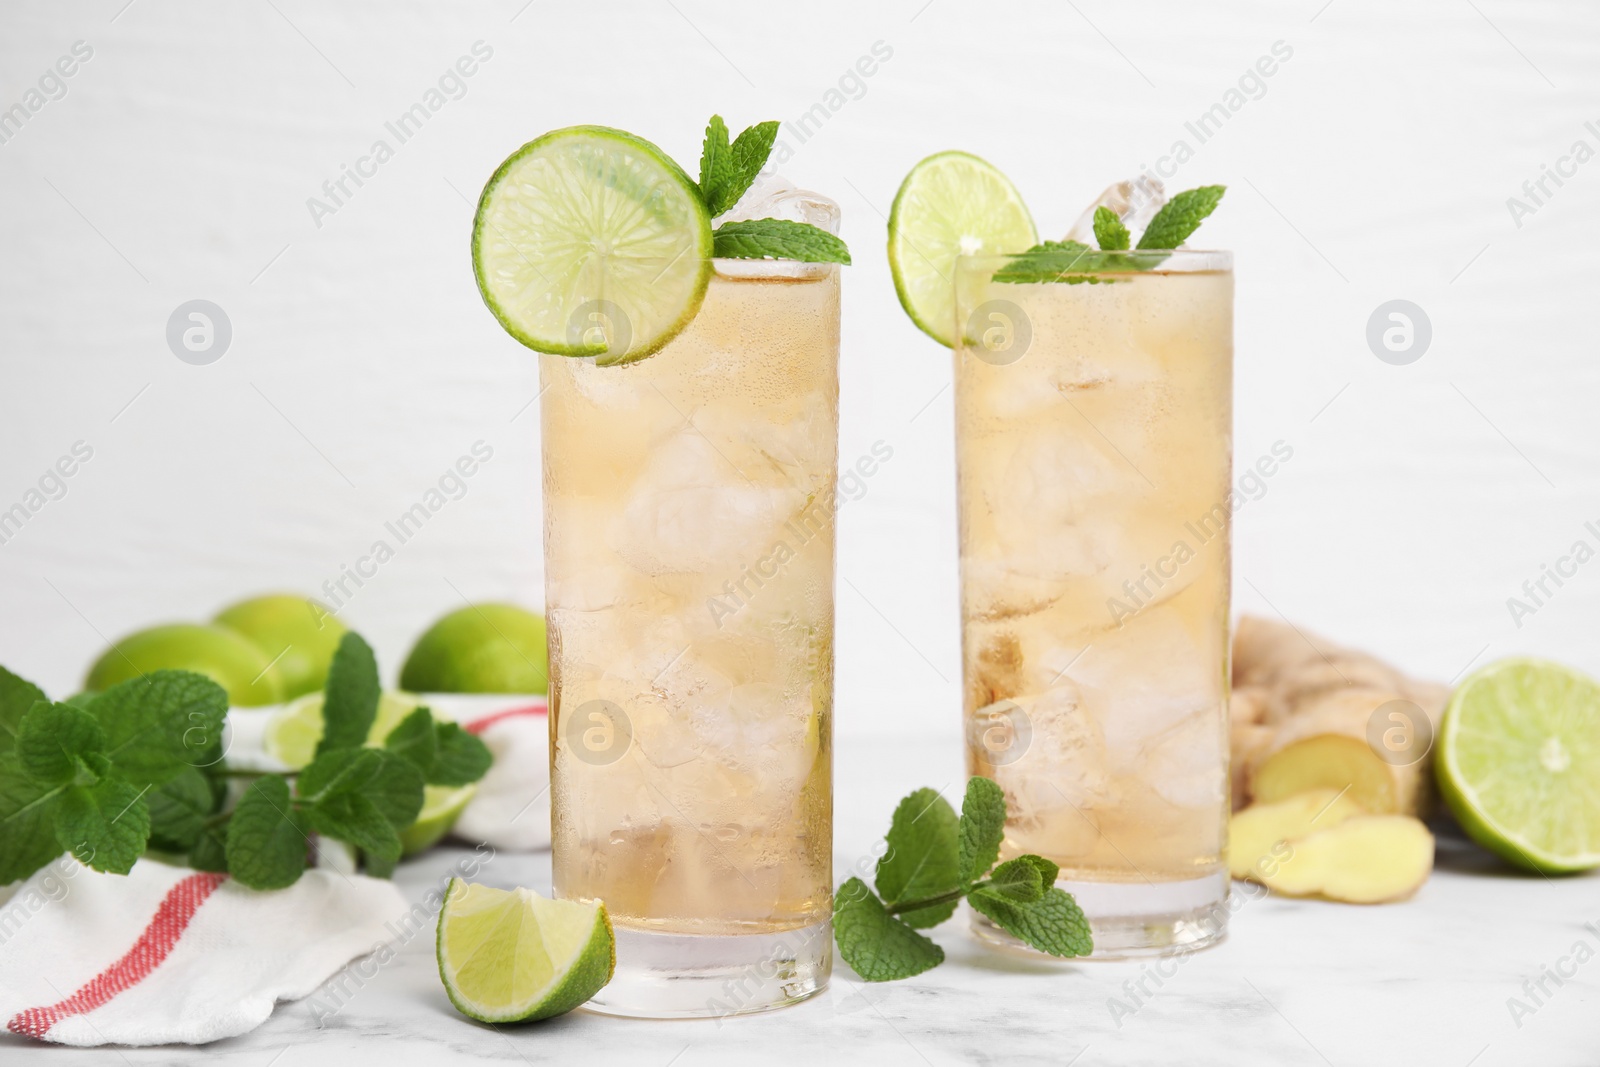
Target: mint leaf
x: 777, y: 239
x: 396, y: 790
x: 463, y: 758
x: 1181, y: 216
x: 59, y: 744
x: 415, y: 741
x: 351, y: 701
x: 1072, y: 262
x: 178, y: 811
x: 921, y: 860
x: 160, y: 723
x: 879, y: 947
x: 105, y: 825
x: 983, y: 826
x: 1109, y: 230
x: 1021, y: 881
x: 17, y: 698
x: 389, y: 781
x: 1052, y: 924
x: 353, y: 818
x: 344, y: 770
x: 266, y: 843
x: 210, y: 851
x: 716, y: 168
x: 27, y: 823
x: 750, y: 151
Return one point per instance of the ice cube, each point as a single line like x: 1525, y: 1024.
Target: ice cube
x: 771, y: 196
x: 1150, y: 676
x: 692, y: 509
x: 1135, y: 202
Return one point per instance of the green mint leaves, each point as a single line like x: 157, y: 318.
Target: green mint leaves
x: 1180, y: 217
x: 1075, y: 263
x: 350, y: 700
x: 933, y: 860
x: 139, y: 766
x: 727, y: 170
x: 1109, y: 231
x: 778, y: 239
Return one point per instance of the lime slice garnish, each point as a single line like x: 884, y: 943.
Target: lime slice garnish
x: 291, y: 737
x: 591, y: 242
x: 512, y: 956
x: 1519, y: 763
x: 951, y: 204
x: 481, y: 648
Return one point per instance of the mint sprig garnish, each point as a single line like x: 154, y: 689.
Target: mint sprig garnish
x: 108, y: 776
x: 727, y: 170
x: 1109, y: 229
x: 933, y: 861
x: 1181, y: 216
x: 1075, y: 263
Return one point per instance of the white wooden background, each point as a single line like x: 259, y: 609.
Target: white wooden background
x: 1374, y: 164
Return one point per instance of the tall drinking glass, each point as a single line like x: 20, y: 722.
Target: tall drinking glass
x: 689, y: 550
x: 1094, y: 449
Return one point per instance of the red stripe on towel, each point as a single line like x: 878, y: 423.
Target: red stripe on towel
x: 480, y: 725
x: 158, y: 939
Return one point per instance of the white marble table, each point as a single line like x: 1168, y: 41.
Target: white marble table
x: 1422, y: 984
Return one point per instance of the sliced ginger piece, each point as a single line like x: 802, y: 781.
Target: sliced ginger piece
x: 1331, y: 761
x: 1258, y: 835
x: 1366, y: 859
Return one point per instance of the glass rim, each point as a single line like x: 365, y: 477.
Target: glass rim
x: 1174, y: 260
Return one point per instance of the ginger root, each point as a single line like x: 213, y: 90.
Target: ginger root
x: 1260, y: 837
x: 1366, y: 859
x: 1302, y: 712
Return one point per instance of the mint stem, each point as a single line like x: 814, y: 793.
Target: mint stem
x: 926, y: 902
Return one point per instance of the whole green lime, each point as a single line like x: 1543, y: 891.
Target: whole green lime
x: 217, y: 652
x: 301, y: 634
x: 482, y: 648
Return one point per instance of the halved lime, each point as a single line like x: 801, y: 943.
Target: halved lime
x: 951, y: 204
x: 508, y: 956
x: 591, y: 242
x: 291, y: 737
x: 1519, y: 763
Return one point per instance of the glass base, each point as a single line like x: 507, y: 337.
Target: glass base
x: 1134, y: 919
x: 692, y: 976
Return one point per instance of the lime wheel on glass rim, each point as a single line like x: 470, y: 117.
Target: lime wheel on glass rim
x: 951, y: 204
x: 590, y: 241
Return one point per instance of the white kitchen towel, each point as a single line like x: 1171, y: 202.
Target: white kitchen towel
x: 511, y: 809
x: 169, y: 954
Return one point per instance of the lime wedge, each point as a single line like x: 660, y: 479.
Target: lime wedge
x: 1519, y: 763
x: 591, y: 242
x: 951, y: 204
x: 291, y: 737
x: 509, y: 956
